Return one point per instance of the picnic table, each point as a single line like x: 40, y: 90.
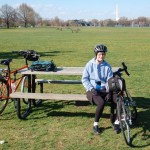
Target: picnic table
x: 51, y: 96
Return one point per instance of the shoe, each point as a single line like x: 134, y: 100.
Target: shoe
x: 96, y: 129
x: 116, y: 128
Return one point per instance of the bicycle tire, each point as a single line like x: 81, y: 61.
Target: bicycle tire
x: 35, y: 88
x: 132, y: 106
x: 22, y: 109
x: 24, y: 89
x: 4, y: 92
x: 22, y: 105
x: 123, y: 118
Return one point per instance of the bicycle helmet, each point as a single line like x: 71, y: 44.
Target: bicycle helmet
x: 100, y: 48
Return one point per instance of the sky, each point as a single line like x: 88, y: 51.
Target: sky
x: 85, y: 9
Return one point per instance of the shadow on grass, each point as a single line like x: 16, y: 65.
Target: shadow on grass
x: 51, y: 53
x: 143, y: 121
x: 13, y: 55
x: 141, y: 126
x: 52, y: 109
x: 143, y: 107
x: 6, y: 55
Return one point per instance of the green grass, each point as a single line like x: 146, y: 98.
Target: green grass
x: 64, y: 125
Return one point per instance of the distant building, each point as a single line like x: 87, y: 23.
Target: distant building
x: 81, y: 22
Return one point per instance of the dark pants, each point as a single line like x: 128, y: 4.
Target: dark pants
x: 99, y: 101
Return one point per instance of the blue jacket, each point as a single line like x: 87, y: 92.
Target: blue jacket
x: 94, y: 72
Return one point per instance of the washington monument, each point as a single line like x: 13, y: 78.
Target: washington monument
x: 117, y: 12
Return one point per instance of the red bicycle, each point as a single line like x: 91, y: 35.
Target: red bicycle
x: 9, y: 84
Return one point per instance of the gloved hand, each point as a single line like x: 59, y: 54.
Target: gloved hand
x: 94, y: 92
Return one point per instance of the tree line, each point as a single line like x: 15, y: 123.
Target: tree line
x: 24, y: 15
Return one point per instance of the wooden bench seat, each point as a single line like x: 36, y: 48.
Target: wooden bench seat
x: 58, y: 81
x: 49, y: 96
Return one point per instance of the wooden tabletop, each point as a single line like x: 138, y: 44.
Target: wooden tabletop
x: 62, y: 71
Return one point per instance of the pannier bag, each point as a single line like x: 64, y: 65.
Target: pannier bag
x: 115, y: 84
x: 43, y: 66
x: 31, y: 55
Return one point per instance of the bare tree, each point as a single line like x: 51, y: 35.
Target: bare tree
x: 124, y: 21
x: 1, y: 21
x: 7, y: 13
x: 35, y: 19
x: 57, y: 22
x: 142, y: 21
x: 72, y: 23
x: 15, y: 21
x: 95, y: 22
x: 109, y: 23
x: 27, y: 15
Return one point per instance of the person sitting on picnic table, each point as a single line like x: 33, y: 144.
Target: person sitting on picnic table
x: 95, y: 76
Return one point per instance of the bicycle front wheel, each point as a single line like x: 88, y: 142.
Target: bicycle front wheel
x: 38, y: 89
x: 132, y: 106
x: 24, y: 89
x: 23, y: 109
x: 37, y: 102
x: 23, y: 105
x: 123, y: 118
x: 4, y: 93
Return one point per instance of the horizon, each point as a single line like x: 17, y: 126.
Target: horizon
x: 85, y: 9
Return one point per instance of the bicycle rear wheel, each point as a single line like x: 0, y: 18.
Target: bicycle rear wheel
x: 4, y: 93
x: 132, y: 105
x: 22, y: 108
x: 123, y: 116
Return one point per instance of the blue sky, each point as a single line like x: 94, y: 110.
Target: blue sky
x: 85, y: 9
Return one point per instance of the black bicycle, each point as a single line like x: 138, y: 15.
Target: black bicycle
x: 126, y: 106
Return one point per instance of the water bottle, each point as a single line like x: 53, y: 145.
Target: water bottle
x: 99, y: 86
x: 13, y: 86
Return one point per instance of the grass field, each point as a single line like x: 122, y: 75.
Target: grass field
x: 64, y: 125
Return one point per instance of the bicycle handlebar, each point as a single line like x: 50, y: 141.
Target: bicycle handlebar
x: 118, y: 72
x: 125, y: 68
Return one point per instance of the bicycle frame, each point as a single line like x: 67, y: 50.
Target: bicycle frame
x: 23, y: 106
x: 19, y: 81
x: 9, y: 80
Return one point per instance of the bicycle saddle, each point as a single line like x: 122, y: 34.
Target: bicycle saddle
x: 6, y: 61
